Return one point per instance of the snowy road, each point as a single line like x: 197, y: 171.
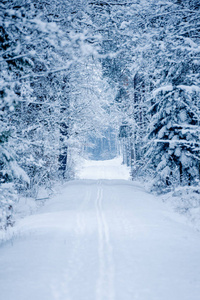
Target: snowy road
x: 101, y: 240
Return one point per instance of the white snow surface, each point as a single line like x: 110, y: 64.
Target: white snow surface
x: 101, y: 239
x: 107, y: 169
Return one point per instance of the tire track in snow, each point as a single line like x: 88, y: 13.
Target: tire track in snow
x: 61, y: 286
x: 80, y: 216
x: 105, y: 283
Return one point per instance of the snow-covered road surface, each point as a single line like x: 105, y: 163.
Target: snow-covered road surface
x: 107, y: 169
x: 101, y: 240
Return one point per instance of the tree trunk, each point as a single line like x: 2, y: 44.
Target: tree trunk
x: 181, y: 172
x: 63, y: 150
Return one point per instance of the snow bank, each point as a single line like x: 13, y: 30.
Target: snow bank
x: 186, y: 201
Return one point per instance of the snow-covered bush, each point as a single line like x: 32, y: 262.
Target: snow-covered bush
x: 10, y: 174
x: 8, y: 199
x: 186, y: 201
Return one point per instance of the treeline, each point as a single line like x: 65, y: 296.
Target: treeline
x: 50, y: 95
x: 157, y: 73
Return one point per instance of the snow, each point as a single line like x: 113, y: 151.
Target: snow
x: 18, y: 172
x: 165, y: 88
x: 109, y: 169
x: 190, y: 88
x: 101, y: 239
x: 186, y: 201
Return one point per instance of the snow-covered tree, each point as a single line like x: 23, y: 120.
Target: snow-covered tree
x: 172, y: 142
x: 25, y: 48
x: 156, y: 46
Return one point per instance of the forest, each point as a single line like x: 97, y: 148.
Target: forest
x: 76, y: 73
